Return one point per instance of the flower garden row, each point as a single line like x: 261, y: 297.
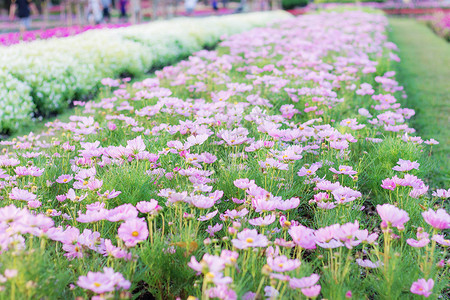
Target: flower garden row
x: 7, y: 39
x: 279, y: 166
x: 44, y: 76
x: 440, y: 23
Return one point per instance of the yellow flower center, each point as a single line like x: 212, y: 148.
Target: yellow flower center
x: 97, y: 284
x: 65, y: 180
x: 249, y: 240
x: 135, y: 233
x: 309, y: 171
x: 280, y: 265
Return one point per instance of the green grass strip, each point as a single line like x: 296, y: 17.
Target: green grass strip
x: 424, y: 71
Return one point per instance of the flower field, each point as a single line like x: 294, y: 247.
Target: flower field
x: 43, y: 76
x: 279, y: 166
x: 8, y: 39
x: 440, y: 23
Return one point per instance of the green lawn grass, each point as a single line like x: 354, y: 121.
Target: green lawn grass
x: 425, y: 73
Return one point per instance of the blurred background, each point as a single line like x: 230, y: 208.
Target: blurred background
x: 59, y: 18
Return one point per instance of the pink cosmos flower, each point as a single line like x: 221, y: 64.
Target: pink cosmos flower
x: 213, y: 229
x: 440, y: 239
x: 417, y: 243
x: 345, y: 195
x: 271, y: 293
x: 439, y: 219
x: 326, y: 185
x: 109, y: 194
x: 230, y: 257
x: 122, y: 213
x: 133, y: 231
x: 208, y: 216
x: 309, y: 171
x: 209, y: 263
x: 10, y: 273
x: 406, y: 165
x: 263, y: 221
x: 116, y: 252
x: 11, y: 213
x: 300, y: 283
x: 112, y: 126
x: 282, y: 263
x: 244, y: 183
x: 422, y: 287
x: 91, y: 216
x: 19, y: 194
x: 346, y: 170
x: 136, y: 145
x: 95, y: 184
x: 249, y: 238
x: 366, y: 263
x: 64, y: 179
x: 311, y: 292
x: 151, y: 206
x: 441, y: 193
x: 288, y: 204
x: 303, y: 237
x: 392, y: 216
x: 388, y: 184
x: 339, y: 145
x: 431, y: 142
x: 105, y: 282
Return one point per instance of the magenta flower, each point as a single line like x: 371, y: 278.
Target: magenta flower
x: 96, y: 282
x: 388, y: 184
x: 406, y: 165
x: 441, y: 193
x: 64, y: 179
x: 392, y: 216
x: 105, y: 282
x: 151, y: 206
x: 422, y: 287
x: 301, y: 283
x: 366, y: 263
x: 208, y: 216
x: 133, y: 231
x: 309, y: 171
x: 109, y: 194
x: 213, y: 229
x: 282, y: 263
x: 19, y: 194
x: 122, y: 213
x: 244, y: 183
x: 267, y: 220
x: 116, y: 252
x: 312, y: 292
x: 440, y: 239
x: 346, y: 170
x: 249, y: 238
x: 10, y: 273
x: 303, y: 237
x: 439, y: 219
x: 417, y: 243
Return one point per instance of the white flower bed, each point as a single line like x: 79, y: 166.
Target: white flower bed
x: 46, y: 75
